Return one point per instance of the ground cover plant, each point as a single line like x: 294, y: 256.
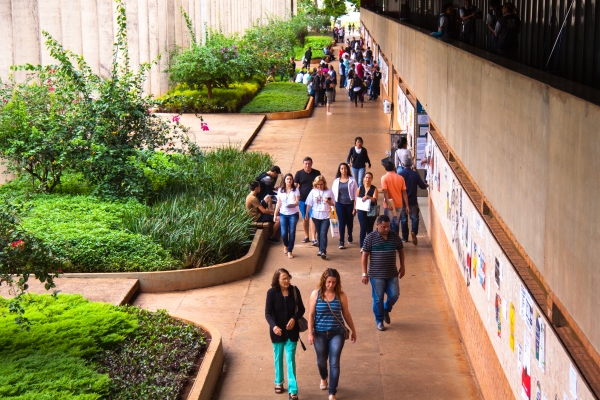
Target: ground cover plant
x: 76, y: 349
x: 182, y: 99
x: 317, y: 43
x: 278, y: 97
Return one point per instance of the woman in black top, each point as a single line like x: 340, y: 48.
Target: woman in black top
x: 358, y: 158
x: 375, y: 84
x: 281, y: 314
x: 367, y: 191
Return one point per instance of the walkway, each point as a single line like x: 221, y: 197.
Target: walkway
x: 420, y: 356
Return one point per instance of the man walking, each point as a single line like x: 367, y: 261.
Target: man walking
x: 381, y: 246
x: 304, y: 180
x: 394, y: 193
x: 412, y: 179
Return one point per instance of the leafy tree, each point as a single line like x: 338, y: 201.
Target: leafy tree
x: 220, y: 61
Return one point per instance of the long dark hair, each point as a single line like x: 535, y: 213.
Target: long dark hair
x: 276, y: 275
x: 284, y: 187
x: 339, y: 172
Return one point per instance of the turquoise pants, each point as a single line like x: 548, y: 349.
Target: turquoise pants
x: 290, y: 355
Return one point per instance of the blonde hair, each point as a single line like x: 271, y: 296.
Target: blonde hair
x: 318, y: 179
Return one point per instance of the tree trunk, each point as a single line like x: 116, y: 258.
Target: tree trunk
x: 209, y: 89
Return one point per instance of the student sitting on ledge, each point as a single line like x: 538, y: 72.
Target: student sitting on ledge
x: 258, y: 212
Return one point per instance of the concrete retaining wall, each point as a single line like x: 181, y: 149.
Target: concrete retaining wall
x: 87, y: 27
x: 187, y: 279
x: 530, y: 147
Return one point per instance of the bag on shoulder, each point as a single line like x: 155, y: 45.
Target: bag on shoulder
x: 302, y: 322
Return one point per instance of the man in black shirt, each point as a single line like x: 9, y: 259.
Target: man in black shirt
x: 307, y: 57
x: 468, y: 13
x: 304, y: 181
x: 507, y: 30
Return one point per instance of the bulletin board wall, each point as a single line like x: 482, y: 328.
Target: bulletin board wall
x: 533, y: 360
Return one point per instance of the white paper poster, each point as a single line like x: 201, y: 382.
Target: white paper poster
x: 573, y: 381
x: 526, y: 308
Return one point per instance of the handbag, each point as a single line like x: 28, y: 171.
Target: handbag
x: 373, y: 211
x: 346, y: 329
x: 302, y: 322
x: 334, y: 223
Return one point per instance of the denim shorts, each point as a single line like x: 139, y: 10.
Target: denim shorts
x: 302, y: 205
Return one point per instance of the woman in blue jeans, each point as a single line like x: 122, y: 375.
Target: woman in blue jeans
x: 367, y: 191
x: 358, y: 158
x: 288, y: 211
x: 344, y: 189
x: 320, y: 201
x: 328, y: 313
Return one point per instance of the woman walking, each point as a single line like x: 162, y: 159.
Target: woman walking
x: 283, y: 309
x: 344, y: 189
x: 358, y: 89
x: 328, y: 311
x: 358, y: 157
x: 401, y: 153
x: 366, y: 219
x: 320, y: 201
x: 288, y: 211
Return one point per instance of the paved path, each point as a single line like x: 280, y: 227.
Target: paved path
x: 419, y: 357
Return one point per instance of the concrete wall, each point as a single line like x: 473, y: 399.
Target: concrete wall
x: 532, y: 149
x: 87, y: 27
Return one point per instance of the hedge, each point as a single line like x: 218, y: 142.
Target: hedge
x: 279, y: 97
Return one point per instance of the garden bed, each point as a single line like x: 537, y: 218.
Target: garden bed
x: 279, y: 97
x: 84, y: 350
x: 317, y: 43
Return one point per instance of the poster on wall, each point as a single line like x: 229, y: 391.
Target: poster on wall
x: 526, y: 371
x: 526, y: 308
x: 384, y: 72
x: 406, y: 112
x: 540, y: 341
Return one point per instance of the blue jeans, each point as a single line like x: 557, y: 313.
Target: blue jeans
x: 322, y: 229
x: 288, y: 230
x: 379, y: 287
x: 290, y: 355
x: 344, y: 213
x: 394, y: 221
x: 414, y: 218
x: 359, y: 175
x: 366, y: 225
x: 329, y: 345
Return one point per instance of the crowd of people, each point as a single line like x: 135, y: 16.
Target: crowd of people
x: 502, y: 25
x: 357, y: 73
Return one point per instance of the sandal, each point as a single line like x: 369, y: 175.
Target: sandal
x: 293, y: 396
x: 305, y: 240
x: 279, y: 389
x: 323, y: 386
x: 290, y: 255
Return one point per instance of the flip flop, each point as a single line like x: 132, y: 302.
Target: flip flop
x: 279, y: 389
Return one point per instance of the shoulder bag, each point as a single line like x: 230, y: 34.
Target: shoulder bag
x: 346, y: 329
x: 302, y: 322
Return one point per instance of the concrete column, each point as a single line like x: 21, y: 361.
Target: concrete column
x: 133, y: 33
x: 90, y: 34
x: 6, y: 44
x: 144, y: 38
x: 50, y: 20
x: 163, y: 43
x: 153, y: 46
x: 26, y: 44
x: 70, y: 11
x: 106, y: 37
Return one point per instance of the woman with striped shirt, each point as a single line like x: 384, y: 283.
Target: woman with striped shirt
x: 328, y: 313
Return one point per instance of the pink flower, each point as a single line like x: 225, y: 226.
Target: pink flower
x: 4, y: 101
x: 51, y: 89
x: 19, y: 244
x: 176, y: 118
x: 204, y: 126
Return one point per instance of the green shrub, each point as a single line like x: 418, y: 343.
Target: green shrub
x: 81, y: 350
x: 89, y: 233
x: 185, y: 100
x: 200, y: 216
x: 317, y: 43
x: 278, y: 97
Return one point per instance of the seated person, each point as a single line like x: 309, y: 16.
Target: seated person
x: 258, y: 213
x: 267, y: 185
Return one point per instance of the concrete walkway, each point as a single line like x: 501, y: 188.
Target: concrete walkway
x: 420, y: 356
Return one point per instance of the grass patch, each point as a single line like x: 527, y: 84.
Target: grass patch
x: 279, y: 97
x: 225, y: 100
x: 317, y: 43
x: 77, y: 349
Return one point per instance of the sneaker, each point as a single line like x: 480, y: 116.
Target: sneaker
x: 342, y: 246
x: 380, y: 326
x: 405, y: 240
x: 414, y: 238
x: 319, y: 254
x: 314, y: 243
x: 305, y: 240
x: 273, y: 239
x: 386, y: 317
x: 323, y: 255
x: 349, y: 238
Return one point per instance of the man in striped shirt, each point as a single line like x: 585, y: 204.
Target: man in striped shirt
x: 381, y: 245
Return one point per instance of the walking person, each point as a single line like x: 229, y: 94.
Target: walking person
x: 358, y: 157
x: 304, y: 182
x: 412, y: 179
x: 328, y: 311
x: 394, y: 195
x: 283, y: 308
x: 318, y: 204
x: 288, y: 211
x: 344, y: 189
x: 375, y: 85
x: 381, y: 246
x: 329, y: 92
x: 358, y: 90
x: 366, y: 219
x: 401, y: 153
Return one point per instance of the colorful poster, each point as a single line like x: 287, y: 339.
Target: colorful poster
x: 498, y: 314
x: 538, y: 391
x: 526, y: 311
x: 542, y: 347
x: 511, y: 319
x: 384, y: 72
x: 406, y: 113
x: 526, y: 371
x: 497, y: 272
x: 481, y: 270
